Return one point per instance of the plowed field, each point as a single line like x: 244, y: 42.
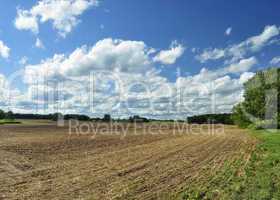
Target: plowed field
x: 45, y: 162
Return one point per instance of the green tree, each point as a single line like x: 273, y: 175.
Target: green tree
x: 57, y: 116
x: 261, y: 100
x: 2, y: 114
x: 255, y: 89
x: 239, y: 116
x: 107, y: 118
x: 9, y: 115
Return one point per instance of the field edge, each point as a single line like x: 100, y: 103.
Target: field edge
x: 259, y: 179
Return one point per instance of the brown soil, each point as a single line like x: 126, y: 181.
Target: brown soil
x: 45, y: 162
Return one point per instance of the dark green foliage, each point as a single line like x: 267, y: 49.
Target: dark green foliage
x: 239, y: 117
x: 57, y: 116
x: 224, y: 118
x: 107, y: 118
x: 54, y: 117
x: 33, y: 116
x: 2, y: 114
x: 77, y: 117
x: 9, y: 115
x: 7, y: 118
x: 137, y: 118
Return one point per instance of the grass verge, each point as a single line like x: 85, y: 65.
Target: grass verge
x: 257, y: 178
x: 8, y: 121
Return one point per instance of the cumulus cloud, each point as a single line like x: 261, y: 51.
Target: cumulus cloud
x: 9, y: 96
x: 4, y: 50
x: 245, y: 77
x: 238, y: 51
x: 211, y: 54
x: 275, y: 60
x: 258, y: 41
x: 119, y: 77
x: 62, y: 13
x: 242, y: 66
x: 148, y: 94
x: 228, y: 31
x: 170, y: 56
x: 210, y: 92
x: 107, y: 54
x: 26, y: 21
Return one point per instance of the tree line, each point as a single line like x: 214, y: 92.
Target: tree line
x: 6, y: 115
x: 56, y: 116
x: 200, y: 119
x: 223, y: 118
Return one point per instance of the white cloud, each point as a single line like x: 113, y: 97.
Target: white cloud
x: 106, y: 54
x: 210, y: 92
x: 26, y: 21
x: 275, y: 60
x: 228, y: 31
x: 246, y: 76
x: 148, y: 94
x: 8, y: 95
x: 194, y: 50
x: 170, y: 56
x: 125, y: 82
x: 242, y: 66
x: 257, y: 42
x: 62, y: 13
x: 211, y: 54
x: 23, y: 60
x: 238, y: 51
x: 39, y: 44
x: 4, y: 50
x: 3, y: 89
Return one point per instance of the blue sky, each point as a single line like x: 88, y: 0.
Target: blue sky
x: 169, y: 42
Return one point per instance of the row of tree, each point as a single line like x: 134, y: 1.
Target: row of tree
x: 57, y: 116
x: 10, y: 115
x: 199, y: 119
x: 6, y: 115
x: 224, y: 118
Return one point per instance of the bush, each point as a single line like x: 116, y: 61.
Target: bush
x: 239, y: 116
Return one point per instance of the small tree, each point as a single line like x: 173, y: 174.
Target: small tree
x: 2, y: 114
x: 9, y: 115
x: 107, y: 118
x: 57, y: 116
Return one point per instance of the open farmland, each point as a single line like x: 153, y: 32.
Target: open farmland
x: 42, y: 161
